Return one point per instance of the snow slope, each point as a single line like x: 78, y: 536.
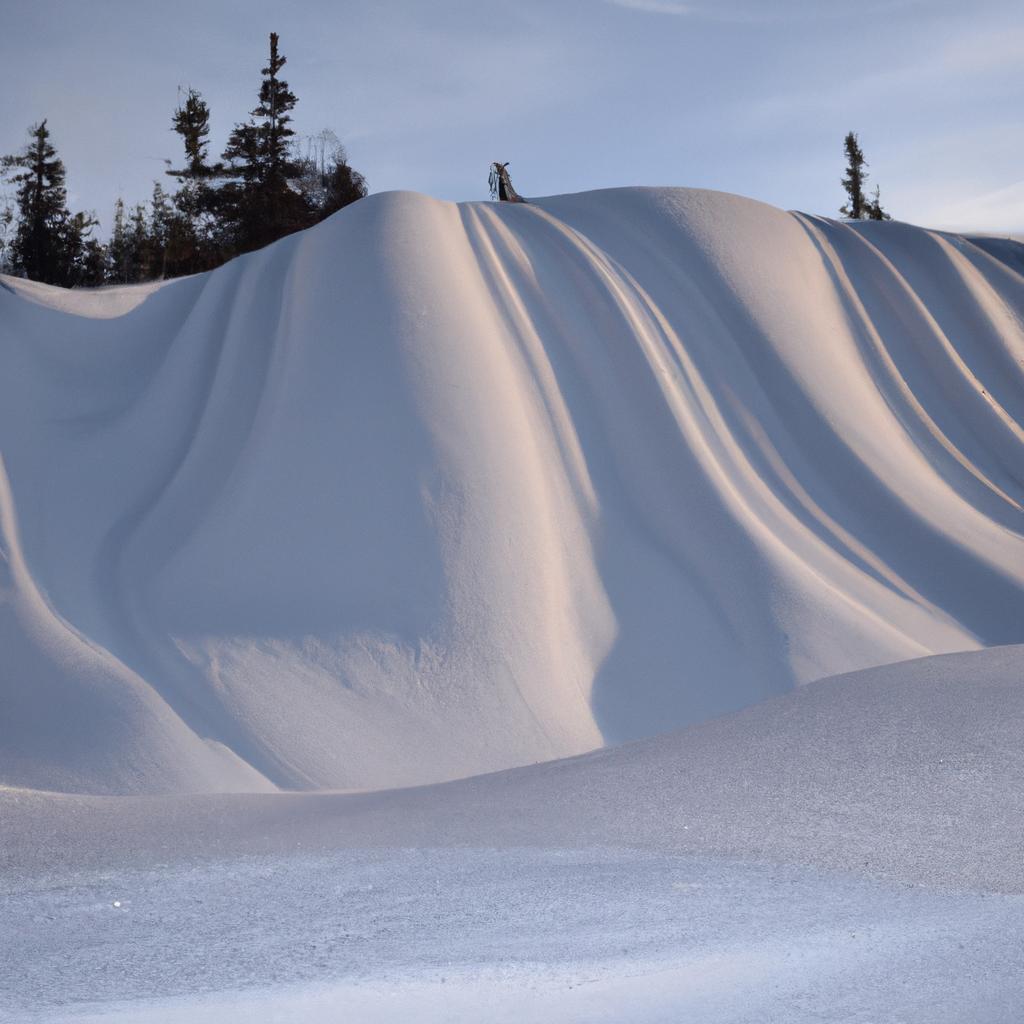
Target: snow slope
x: 846, y: 851
x: 913, y: 772
x: 436, y: 489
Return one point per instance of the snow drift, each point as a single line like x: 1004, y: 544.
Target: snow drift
x: 436, y: 489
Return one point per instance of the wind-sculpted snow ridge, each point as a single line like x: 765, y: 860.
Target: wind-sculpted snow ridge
x: 433, y: 489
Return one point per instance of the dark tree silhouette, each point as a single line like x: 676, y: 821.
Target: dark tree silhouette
x: 875, y: 211
x: 48, y: 241
x: 854, y: 179
x: 193, y: 243
x: 192, y: 122
x: 260, y: 203
x: 262, y: 189
x: 858, y: 206
x: 119, y: 248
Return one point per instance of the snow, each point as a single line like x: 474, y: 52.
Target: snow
x: 96, y: 303
x: 480, y: 485
x: 606, y: 608
x: 850, y: 850
x: 509, y: 935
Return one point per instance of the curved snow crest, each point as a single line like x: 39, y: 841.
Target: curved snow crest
x: 437, y: 489
x: 98, y: 303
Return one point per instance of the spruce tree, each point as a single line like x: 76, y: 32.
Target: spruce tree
x: 6, y: 231
x: 76, y: 243
x: 94, y: 264
x: 38, y: 247
x: 120, y: 246
x: 854, y: 180
x: 875, y: 211
x: 190, y: 245
x: 192, y: 122
x: 138, y: 246
x: 344, y: 185
x: 161, y: 218
x: 260, y: 201
x: 276, y: 102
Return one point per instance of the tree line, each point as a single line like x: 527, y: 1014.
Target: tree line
x: 266, y: 184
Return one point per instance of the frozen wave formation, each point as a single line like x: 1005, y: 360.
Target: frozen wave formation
x: 434, y: 489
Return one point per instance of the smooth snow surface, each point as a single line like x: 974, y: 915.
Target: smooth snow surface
x: 95, y: 303
x: 912, y: 772
x: 850, y: 851
x: 437, y: 489
x: 508, y: 937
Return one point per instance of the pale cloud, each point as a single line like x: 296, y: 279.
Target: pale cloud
x: 959, y: 64
x: 983, y: 52
x: 1000, y: 211
x: 739, y: 12
x: 656, y: 6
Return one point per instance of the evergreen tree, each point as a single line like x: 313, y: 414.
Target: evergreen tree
x: 74, y: 249
x: 875, y: 211
x: 191, y: 230
x: 260, y: 202
x: 38, y: 247
x: 858, y: 206
x: 161, y: 217
x: 192, y: 122
x: 344, y: 185
x: 6, y: 229
x: 276, y: 101
x: 120, y: 246
x: 138, y: 246
x: 853, y: 182
x: 94, y: 264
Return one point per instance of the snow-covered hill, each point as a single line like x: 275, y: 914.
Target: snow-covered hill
x: 433, y: 489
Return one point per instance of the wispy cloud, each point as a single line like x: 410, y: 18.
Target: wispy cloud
x: 740, y: 13
x: 1000, y: 211
x: 969, y: 65
x: 656, y: 6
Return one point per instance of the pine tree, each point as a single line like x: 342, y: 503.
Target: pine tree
x: 75, y: 248
x: 858, y: 206
x: 276, y: 100
x: 120, y: 246
x: 138, y: 246
x: 6, y: 229
x: 190, y: 244
x: 344, y: 185
x: 192, y: 122
x: 95, y: 263
x: 260, y: 202
x: 853, y: 182
x: 38, y: 247
x: 161, y: 218
x: 874, y: 208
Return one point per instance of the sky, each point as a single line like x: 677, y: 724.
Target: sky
x: 746, y: 96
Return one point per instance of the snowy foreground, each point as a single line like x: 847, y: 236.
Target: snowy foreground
x: 436, y: 492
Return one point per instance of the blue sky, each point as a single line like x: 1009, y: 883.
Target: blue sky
x: 745, y: 96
